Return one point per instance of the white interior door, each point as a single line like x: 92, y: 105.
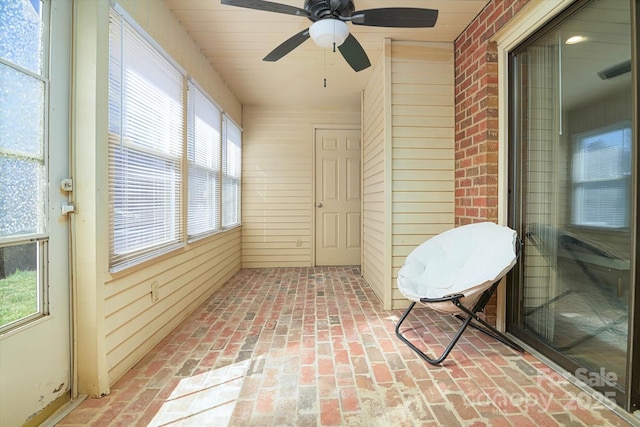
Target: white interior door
x: 338, y: 188
x: 35, y: 355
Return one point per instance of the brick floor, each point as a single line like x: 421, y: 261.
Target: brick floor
x: 312, y: 346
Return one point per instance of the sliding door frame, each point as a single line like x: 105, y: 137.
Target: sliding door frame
x: 629, y: 396
x: 632, y: 402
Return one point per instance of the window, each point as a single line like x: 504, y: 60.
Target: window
x: 24, y: 235
x: 231, y: 174
x: 203, y: 154
x: 146, y: 131
x: 146, y: 143
x: 601, y: 178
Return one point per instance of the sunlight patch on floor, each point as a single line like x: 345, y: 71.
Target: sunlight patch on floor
x: 206, y: 398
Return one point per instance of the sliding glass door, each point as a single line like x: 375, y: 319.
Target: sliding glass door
x: 573, y: 148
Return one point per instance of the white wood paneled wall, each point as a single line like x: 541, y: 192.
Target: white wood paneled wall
x: 423, y: 152
x: 133, y: 325
x: 373, y: 175
x: 277, y: 184
x: 408, y: 158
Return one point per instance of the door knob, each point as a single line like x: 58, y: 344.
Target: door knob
x: 319, y: 205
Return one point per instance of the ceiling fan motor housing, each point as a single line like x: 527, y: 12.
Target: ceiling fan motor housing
x: 321, y: 9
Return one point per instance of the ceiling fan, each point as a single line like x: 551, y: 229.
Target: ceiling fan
x: 330, y: 28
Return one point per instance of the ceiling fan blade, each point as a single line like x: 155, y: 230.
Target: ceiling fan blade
x: 287, y: 46
x: 269, y: 7
x: 401, y: 17
x: 354, y: 54
x: 337, y: 4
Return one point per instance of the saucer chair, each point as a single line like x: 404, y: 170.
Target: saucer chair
x: 456, y: 272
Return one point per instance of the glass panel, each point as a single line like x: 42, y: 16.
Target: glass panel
x: 19, y: 283
x: 21, y: 113
x: 575, y: 142
x: 232, y: 171
x: 22, y: 163
x: 145, y: 215
x: 203, y: 200
x: 203, y: 153
x: 22, y: 210
x: 21, y: 29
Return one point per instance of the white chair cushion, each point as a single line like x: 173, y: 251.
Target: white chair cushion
x: 465, y: 260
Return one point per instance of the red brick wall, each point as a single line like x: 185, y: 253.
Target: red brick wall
x: 476, y: 68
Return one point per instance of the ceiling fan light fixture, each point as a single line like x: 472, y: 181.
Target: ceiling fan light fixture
x: 326, y: 32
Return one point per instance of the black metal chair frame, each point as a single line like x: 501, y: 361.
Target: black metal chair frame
x: 471, y: 314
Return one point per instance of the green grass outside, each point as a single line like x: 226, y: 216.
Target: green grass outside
x: 18, y: 296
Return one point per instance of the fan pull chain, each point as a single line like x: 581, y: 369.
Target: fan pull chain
x: 334, y: 36
x: 325, y: 67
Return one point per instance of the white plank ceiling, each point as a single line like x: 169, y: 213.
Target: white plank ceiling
x: 236, y: 39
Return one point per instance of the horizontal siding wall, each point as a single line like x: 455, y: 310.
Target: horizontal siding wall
x: 277, y: 184
x: 422, y: 86
x: 373, y: 175
x: 134, y: 324
x: 116, y: 321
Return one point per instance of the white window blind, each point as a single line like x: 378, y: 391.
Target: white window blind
x: 601, y: 178
x: 231, y: 174
x: 203, y: 154
x: 146, y: 128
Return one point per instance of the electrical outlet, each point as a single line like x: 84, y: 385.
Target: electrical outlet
x: 155, y: 292
x: 299, y: 243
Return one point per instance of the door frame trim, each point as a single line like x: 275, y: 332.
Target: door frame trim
x: 531, y: 18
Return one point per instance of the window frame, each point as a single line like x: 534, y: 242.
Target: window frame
x: 543, y: 15
x: 172, y: 155
x: 237, y: 180
x: 625, y: 177
x: 40, y: 235
x: 185, y: 182
x: 191, y: 135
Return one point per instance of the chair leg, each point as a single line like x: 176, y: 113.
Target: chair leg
x: 419, y: 352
